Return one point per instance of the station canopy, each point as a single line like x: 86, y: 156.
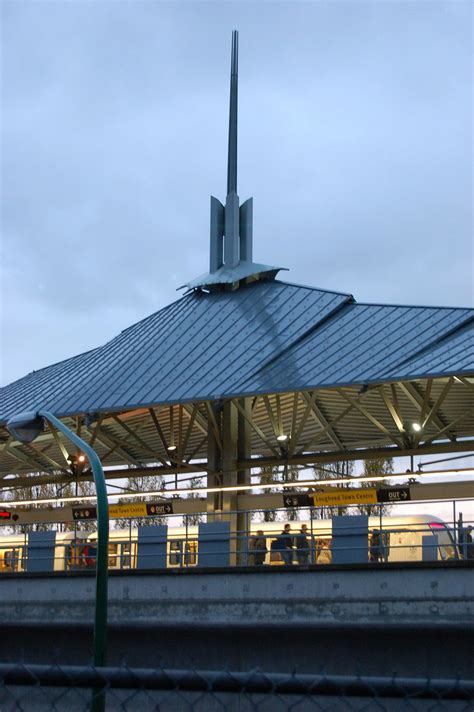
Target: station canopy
x: 330, y: 377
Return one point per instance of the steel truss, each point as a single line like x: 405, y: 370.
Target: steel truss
x: 321, y: 426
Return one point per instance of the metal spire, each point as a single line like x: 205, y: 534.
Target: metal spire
x: 232, y: 151
x: 231, y: 254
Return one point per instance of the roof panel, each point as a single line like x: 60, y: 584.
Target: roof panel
x: 363, y: 344
x: 264, y: 337
x: 191, y: 350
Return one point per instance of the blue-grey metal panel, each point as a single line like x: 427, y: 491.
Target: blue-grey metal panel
x: 40, y: 551
x: 152, y: 542
x: 214, y: 544
x: 361, y: 344
x: 195, y: 349
x: 350, y: 536
x: 430, y: 547
x: 454, y: 354
x: 262, y: 338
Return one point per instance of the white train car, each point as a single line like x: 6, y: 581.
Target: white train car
x: 390, y: 539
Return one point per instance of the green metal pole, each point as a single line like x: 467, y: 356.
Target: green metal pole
x: 100, y: 621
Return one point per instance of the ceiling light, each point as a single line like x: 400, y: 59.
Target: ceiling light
x: 242, y: 488
x: 282, y: 438
x: 171, y: 448
x: 416, y: 427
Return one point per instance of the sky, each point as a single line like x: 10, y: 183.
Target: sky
x: 355, y: 140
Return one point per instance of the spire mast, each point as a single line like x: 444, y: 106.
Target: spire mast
x: 232, y: 152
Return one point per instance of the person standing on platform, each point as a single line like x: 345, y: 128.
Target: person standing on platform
x: 259, y: 548
x: 469, y: 543
x: 302, y: 545
x: 286, y: 544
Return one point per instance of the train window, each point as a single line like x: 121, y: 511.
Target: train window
x: 10, y: 559
x: 190, y: 552
x: 126, y: 555
x: 323, y: 553
x: 74, y: 555
x: 175, y: 552
x: 113, y: 556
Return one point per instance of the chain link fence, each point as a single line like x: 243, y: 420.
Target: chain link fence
x: 67, y: 688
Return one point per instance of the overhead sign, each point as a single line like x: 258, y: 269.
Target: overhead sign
x: 80, y: 513
x: 297, y: 500
x: 159, y: 508
x: 340, y: 496
x: 393, y: 494
x: 134, y: 509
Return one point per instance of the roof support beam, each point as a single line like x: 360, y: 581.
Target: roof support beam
x: 62, y: 448
x: 325, y: 431
x: 417, y: 400
x: 392, y: 408
x: 16, y: 454
x: 201, y: 423
x: 136, y: 437
x: 370, y: 417
x: 111, y: 441
x: 319, y: 416
x: 214, y: 426
x: 450, y: 426
x: 256, y: 428
x: 159, y: 430
x: 368, y: 454
x: 435, y: 408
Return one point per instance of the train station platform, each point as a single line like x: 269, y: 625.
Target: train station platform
x: 412, y: 619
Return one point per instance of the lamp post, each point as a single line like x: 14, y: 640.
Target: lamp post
x: 25, y: 427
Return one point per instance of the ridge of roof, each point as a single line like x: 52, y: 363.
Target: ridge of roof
x: 315, y: 289
x: 413, y: 306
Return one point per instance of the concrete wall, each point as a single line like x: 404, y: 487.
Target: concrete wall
x: 412, y: 620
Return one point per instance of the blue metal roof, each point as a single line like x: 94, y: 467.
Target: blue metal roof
x: 366, y: 343
x: 264, y: 337
x: 194, y: 349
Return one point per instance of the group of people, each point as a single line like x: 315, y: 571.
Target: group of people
x: 286, y: 546
x: 82, y: 555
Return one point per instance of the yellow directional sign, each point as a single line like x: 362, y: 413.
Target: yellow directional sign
x: 338, y: 496
x: 137, y: 509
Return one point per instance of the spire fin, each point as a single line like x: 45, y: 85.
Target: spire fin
x: 232, y: 150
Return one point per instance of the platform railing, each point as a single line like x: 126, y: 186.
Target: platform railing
x: 384, y: 543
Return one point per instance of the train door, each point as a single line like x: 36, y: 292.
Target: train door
x: 127, y: 555
x: 74, y: 552
x: 190, y: 552
x: 404, y: 545
x: 175, y: 553
x: 13, y: 559
x: 114, y: 556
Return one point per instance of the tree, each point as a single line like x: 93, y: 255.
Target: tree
x: 141, y: 484
x: 195, y: 517
x: 291, y: 474
x: 27, y: 493
x: 49, y: 491
x: 77, y: 489
x: 372, y: 468
x: 332, y: 471
x: 268, y: 476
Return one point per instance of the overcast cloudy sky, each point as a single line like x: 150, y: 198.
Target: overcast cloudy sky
x: 355, y: 139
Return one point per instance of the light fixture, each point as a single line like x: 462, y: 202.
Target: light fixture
x: 171, y: 448
x: 81, y: 458
x: 282, y: 438
x: 242, y: 488
x: 416, y: 427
